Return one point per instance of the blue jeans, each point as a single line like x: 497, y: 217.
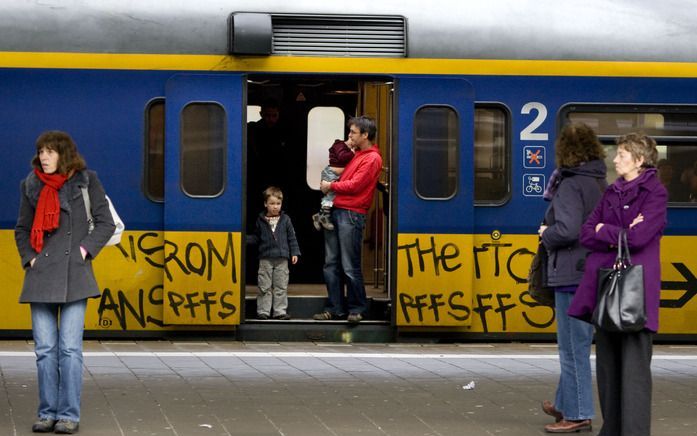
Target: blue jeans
x: 342, y: 263
x: 59, y: 357
x: 574, y: 398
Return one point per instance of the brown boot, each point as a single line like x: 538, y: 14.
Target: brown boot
x: 550, y: 410
x: 565, y: 426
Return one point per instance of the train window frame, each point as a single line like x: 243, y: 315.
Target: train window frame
x: 456, y: 158
x: 507, y: 153
x: 147, y: 154
x: 607, y: 140
x: 224, y: 157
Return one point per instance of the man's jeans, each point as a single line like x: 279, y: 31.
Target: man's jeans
x: 342, y: 263
x: 574, y: 397
x: 59, y: 357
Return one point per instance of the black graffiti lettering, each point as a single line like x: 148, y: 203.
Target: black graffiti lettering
x: 435, y: 304
x: 503, y: 308
x: 527, y: 301
x: 439, y: 258
x: 453, y: 255
x: 518, y: 252
x: 207, y: 302
x: 484, y: 248
x: 482, y: 308
x: 175, y: 300
x: 201, y: 258
x: 476, y: 251
x: 228, y: 257
x: 150, y: 250
x: 458, y: 307
x: 172, y: 257
x: 122, y: 308
x: 190, y: 304
x: 157, y: 289
x: 231, y: 309
x: 416, y: 302
x: 192, y: 301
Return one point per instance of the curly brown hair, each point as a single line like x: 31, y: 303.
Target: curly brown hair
x: 640, y: 145
x: 69, y: 159
x: 577, y: 143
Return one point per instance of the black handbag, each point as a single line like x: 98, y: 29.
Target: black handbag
x: 537, y: 278
x: 620, y: 306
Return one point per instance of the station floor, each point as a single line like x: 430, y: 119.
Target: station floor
x: 234, y: 388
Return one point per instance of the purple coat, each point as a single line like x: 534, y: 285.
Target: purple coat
x: 620, y: 204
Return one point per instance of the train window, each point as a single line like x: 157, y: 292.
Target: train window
x: 154, y: 185
x: 253, y: 113
x: 436, y: 142
x: 491, y: 155
x: 324, y: 125
x: 673, y: 127
x: 203, y: 139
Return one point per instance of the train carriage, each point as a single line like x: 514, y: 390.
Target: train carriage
x: 163, y: 99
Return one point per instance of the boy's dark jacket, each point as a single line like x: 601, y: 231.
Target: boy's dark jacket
x: 282, y: 243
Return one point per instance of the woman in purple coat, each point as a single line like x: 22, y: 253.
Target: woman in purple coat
x: 635, y: 202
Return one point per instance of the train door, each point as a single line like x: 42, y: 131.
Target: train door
x: 435, y: 206
x: 203, y: 199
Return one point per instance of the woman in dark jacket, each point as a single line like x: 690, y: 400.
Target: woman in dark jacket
x: 575, y: 188
x: 56, y: 249
x: 637, y: 203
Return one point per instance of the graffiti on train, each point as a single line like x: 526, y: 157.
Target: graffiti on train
x: 193, y: 280
x: 459, y: 280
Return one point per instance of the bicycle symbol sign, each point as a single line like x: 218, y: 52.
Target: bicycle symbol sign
x: 533, y: 185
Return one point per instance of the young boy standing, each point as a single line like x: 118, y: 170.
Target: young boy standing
x: 275, y: 236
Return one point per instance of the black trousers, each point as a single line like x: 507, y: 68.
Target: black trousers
x: 623, y: 370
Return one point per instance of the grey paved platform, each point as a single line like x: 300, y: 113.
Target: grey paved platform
x: 232, y: 388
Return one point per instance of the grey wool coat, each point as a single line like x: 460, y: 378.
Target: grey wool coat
x: 59, y: 274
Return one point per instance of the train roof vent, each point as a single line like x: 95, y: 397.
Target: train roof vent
x: 339, y: 35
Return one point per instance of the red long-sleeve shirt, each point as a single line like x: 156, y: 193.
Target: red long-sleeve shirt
x: 355, y: 189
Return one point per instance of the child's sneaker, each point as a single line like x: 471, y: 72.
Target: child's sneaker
x: 326, y: 222
x: 316, y: 223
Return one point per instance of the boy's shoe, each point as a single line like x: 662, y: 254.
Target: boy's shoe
x: 63, y: 426
x: 326, y: 222
x: 262, y: 316
x: 354, y: 318
x: 324, y: 316
x: 283, y: 317
x: 43, y: 425
x: 316, y: 223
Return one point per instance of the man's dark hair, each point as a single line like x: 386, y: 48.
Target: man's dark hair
x: 365, y: 125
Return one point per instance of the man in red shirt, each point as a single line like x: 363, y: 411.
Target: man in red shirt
x: 342, y: 246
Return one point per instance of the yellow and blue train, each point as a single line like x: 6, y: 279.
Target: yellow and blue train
x: 162, y: 97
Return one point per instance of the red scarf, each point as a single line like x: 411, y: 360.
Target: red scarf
x: 48, y: 208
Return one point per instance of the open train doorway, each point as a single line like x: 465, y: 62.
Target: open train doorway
x: 291, y: 123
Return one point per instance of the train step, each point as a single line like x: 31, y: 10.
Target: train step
x: 302, y: 309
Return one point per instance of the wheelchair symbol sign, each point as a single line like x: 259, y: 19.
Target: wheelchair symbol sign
x: 533, y: 185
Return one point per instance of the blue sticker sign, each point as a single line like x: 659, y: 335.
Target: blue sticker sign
x: 533, y: 185
x: 534, y: 156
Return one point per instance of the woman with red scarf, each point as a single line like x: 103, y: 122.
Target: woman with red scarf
x: 57, y: 248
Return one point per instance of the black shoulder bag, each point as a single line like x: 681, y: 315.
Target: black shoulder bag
x: 620, y: 306
x: 537, y: 278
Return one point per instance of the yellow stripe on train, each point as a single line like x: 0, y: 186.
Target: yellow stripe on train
x: 499, y: 67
